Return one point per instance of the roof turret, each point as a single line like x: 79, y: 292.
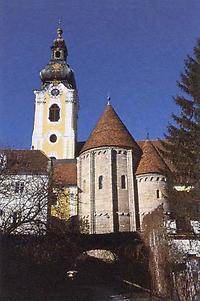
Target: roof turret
x: 151, y: 161
x: 110, y: 131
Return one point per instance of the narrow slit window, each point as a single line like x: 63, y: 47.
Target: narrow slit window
x: 54, y: 113
x: 84, y: 185
x: 100, y: 182
x: 158, y: 194
x: 123, y: 182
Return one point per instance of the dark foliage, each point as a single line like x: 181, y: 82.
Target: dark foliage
x: 35, y: 268
x: 183, y: 147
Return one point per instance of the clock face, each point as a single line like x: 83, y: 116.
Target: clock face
x: 55, y: 92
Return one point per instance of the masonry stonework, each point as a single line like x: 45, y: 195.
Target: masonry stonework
x: 152, y: 191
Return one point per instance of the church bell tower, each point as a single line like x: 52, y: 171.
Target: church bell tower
x: 56, y: 106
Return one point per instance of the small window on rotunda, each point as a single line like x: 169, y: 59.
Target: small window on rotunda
x: 100, y: 182
x: 84, y: 185
x: 54, y: 113
x: 158, y: 194
x: 123, y: 182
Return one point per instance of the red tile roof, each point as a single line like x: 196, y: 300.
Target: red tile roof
x: 65, y: 172
x: 110, y: 131
x: 25, y: 161
x: 151, y: 160
x: 160, y: 149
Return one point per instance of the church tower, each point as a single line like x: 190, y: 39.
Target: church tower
x: 56, y: 106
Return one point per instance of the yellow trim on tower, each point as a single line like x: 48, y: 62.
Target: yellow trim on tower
x: 57, y: 128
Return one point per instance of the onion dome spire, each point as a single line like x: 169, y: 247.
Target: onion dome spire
x: 58, y: 70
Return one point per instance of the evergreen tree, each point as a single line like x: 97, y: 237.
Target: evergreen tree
x: 183, y: 136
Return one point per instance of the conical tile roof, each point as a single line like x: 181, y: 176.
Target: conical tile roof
x: 151, y: 161
x: 110, y: 131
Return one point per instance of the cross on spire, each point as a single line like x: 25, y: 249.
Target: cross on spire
x: 59, y: 30
x: 108, y: 99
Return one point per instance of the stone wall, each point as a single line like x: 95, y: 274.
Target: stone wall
x: 152, y: 192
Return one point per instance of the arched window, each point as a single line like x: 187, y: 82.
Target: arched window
x: 57, y: 53
x: 123, y: 182
x: 54, y: 113
x: 100, y: 182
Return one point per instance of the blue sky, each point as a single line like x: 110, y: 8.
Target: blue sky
x: 132, y: 49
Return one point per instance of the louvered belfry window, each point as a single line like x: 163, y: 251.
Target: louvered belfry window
x: 54, y: 113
